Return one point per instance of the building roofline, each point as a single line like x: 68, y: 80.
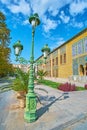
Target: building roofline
x: 38, y: 58
x: 78, y: 34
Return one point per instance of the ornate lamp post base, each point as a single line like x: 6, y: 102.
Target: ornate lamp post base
x: 30, y: 110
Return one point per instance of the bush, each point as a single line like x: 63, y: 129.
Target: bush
x: 85, y: 86
x: 67, y: 87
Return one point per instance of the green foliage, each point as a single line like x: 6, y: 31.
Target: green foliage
x: 4, y: 31
x: 20, y: 83
x: 56, y: 85
x: 41, y: 74
x: 80, y: 88
x: 49, y: 83
x: 5, y: 66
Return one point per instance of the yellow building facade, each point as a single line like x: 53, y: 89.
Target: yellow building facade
x: 68, y: 59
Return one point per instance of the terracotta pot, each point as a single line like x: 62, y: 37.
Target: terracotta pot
x: 22, y: 102
x: 20, y: 94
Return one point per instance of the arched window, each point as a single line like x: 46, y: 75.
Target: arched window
x: 81, y: 70
x: 64, y: 57
x: 86, y: 69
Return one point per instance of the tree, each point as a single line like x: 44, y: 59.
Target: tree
x: 41, y: 74
x: 4, y: 31
x: 5, y: 66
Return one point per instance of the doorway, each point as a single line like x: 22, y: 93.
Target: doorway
x: 86, y: 69
x: 81, y: 70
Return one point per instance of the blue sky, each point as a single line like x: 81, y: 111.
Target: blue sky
x: 60, y: 20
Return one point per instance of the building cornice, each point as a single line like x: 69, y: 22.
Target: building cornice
x: 80, y: 33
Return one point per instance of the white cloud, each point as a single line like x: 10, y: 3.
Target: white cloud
x: 38, y: 6
x: 21, y: 7
x: 78, y: 6
x: 63, y: 17
x: 5, y: 1
x: 59, y: 42
x: 53, y: 12
x: 76, y: 24
x: 49, y: 24
x: 17, y: 6
x: 46, y: 9
x: 25, y: 22
x: 52, y: 6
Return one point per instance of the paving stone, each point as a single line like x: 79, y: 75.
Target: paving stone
x: 56, y: 112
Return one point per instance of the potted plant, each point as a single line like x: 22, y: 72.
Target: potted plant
x: 20, y: 84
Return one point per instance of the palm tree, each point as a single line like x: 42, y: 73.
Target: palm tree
x: 20, y: 83
x: 41, y: 74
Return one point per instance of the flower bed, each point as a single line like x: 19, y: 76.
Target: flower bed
x: 67, y: 87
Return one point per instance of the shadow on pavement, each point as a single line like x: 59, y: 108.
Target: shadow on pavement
x: 53, y: 99
x: 5, y: 80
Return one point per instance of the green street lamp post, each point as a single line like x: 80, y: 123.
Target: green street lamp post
x: 30, y: 109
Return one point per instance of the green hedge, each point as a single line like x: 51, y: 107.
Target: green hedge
x: 80, y: 88
x: 49, y: 83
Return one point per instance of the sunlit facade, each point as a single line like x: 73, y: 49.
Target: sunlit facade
x: 68, y: 59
